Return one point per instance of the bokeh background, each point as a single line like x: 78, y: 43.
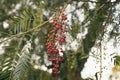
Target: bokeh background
x: 92, y: 45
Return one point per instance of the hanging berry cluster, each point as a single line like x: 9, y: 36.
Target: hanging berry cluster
x: 55, y: 39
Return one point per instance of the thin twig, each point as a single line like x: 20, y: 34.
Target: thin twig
x: 22, y: 33
x: 107, y: 1
x: 101, y: 52
x: 107, y: 20
x: 90, y: 1
x: 102, y: 34
x: 40, y: 25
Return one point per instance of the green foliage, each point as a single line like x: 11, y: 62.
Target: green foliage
x: 36, y: 74
x: 23, y: 62
x: 21, y: 23
x: 29, y: 26
x: 117, y: 60
x: 6, y: 61
x: 16, y: 65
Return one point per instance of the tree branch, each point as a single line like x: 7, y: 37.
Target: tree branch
x: 108, y: 1
x: 106, y: 21
x: 40, y: 25
x: 22, y: 33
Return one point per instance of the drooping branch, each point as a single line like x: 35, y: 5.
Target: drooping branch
x: 34, y: 28
x: 23, y: 33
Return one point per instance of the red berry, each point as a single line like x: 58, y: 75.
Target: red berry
x: 56, y: 35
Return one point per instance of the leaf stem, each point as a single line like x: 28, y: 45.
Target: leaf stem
x: 40, y: 25
x: 22, y: 33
